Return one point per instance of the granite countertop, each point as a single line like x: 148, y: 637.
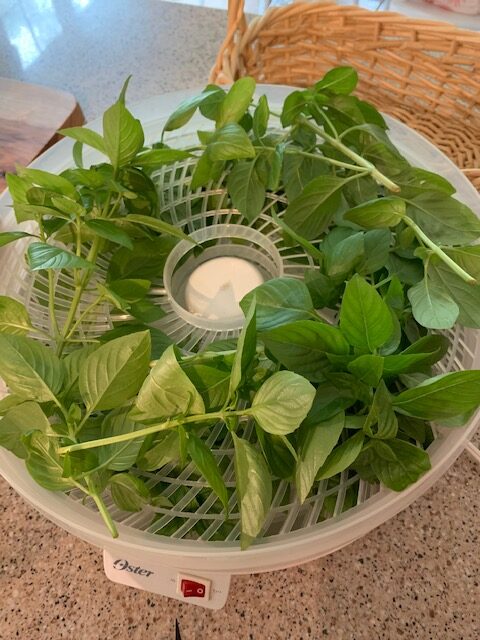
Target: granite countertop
x: 417, y: 576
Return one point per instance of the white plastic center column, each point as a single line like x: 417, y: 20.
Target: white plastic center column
x: 215, y: 288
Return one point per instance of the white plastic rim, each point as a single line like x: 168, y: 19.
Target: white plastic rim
x: 297, y: 546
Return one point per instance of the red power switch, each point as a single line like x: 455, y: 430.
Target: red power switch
x: 192, y: 589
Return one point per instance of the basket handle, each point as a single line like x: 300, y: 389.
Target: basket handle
x: 236, y: 26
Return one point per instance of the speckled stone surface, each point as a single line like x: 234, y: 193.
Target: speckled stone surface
x: 415, y: 577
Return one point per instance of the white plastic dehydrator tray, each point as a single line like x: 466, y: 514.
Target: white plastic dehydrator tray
x: 199, y: 570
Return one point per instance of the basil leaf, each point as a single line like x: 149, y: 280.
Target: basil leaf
x: 85, y: 136
x: 122, y: 455
x: 299, y: 171
x: 292, y: 107
x: 154, y: 158
x: 43, y: 462
x: 18, y: 421
x: 279, y: 301
x: 246, y: 189
x: 422, y: 353
x: 48, y: 181
x: 312, y: 211
x: 365, y: 319
x: 129, y: 492
x: 282, y: 402
x: 167, y: 391
x: 466, y: 296
x: 206, y: 463
x: 14, y: 317
x: 300, y: 346
x: 377, y: 251
x: 432, y: 306
x: 341, y: 80
x: 246, y: 348
x: 317, y: 445
x: 30, y: 369
x: 8, y: 402
x: 165, y: 450
x: 444, y: 219
x: 108, y: 230
x: 130, y: 289
x: 408, y: 271
x: 444, y: 396
x: 254, y: 489
x: 230, y: 143
x: 73, y: 362
x: 398, y: 464
x: 279, y: 457
x: 113, y: 373
x: 468, y: 258
x: 236, y: 102
x: 323, y: 290
x: 160, y: 341
x: 341, y: 457
x: 146, y: 260
x: 45, y: 256
x: 12, y: 236
x: 381, y: 414
x: 185, y: 110
x: 345, y: 255
x: 157, y: 225
x: 379, y: 213
x: 367, y: 368
x: 146, y: 311
x: 211, y: 382
x: 260, y: 117
x: 122, y: 133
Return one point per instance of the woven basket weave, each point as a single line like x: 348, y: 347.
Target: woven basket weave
x: 427, y: 74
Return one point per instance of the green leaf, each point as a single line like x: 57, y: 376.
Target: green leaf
x: 376, y: 251
x: 278, y: 456
x: 345, y: 255
x: 85, y: 136
x: 43, y: 462
x: 73, y: 362
x: 317, y: 445
x: 146, y: 311
x: 113, y: 373
x: 121, y: 455
x: 49, y: 181
x: 157, y: 225
x: 145, y: 261
x: 130, y: 289
x: 443, y: 219
x: 312, y: 211
x: 323, y: 290
x: 381, y: 414
x: 413, y: 180
x: 18, y: 188
x: 365, y: 319
x: 160, y: 341
x: 109, y: 230
x: 12, y: 236
x: 339, y: 392
x: 260, y: 117
x: 45, y: 256
x: 236, y: 101
x: 380, y: 213
x: 408, y: 271
x: 246, y: 348
x: 466, y: 296
x: 206, y: 463
x: 282, y: 402
x: 300, y: 346
x: 292, y: 107
x: 14, y: 317
x: 165, y: 450
x: 367, y: 368
x: 211, y: 382
x: 30, y: 369
x: 154, y: 158
x: 167, y: 391
x: 299, y: 171
x: 129, y: 492
x: 432, y: 306
x: 210, y: 107
x: 122, y: 133
x: 230, y: 143
x: 254, y: 489
x: 467, y: 257
x: 422, y: 353
x: 8, y: 402
x: 17, y: 422
x: 246, y: 189
x: 186, y: 109
x: 443, y: 396
x: 279, y: 301
x: 398, y: 464
x: 341, y: 457
x: 341, y: 80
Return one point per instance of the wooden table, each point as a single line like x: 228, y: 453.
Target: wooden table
x: 30, y: 116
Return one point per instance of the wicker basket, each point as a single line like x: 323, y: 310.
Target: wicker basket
x: 427, y: 74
